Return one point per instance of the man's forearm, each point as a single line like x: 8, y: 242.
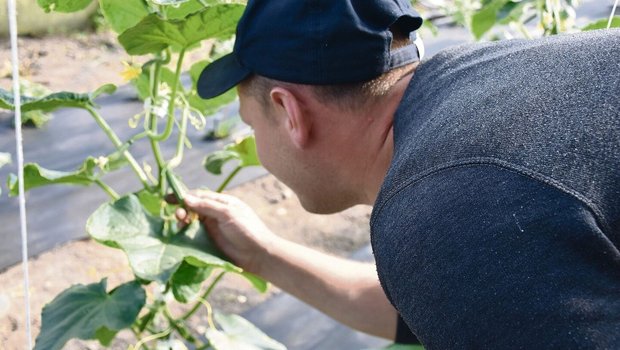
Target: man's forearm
x: 347, y: 291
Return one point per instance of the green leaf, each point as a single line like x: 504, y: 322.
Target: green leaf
x: 63, y: 5
x: 46, y: 103
x: 153, y: 255
x: 196, y: 69
x: 150, y: 35
x: 123, y: 14
x: 485, y: 18
x: 187, y: 280
x: 33, y: 89
x: 185, y: 9
x: 511, y: 12
x: 150, y: 201
x: 103, y: 89
x: 257, y: 282
x: 169, y: 2
x: 212, y: 105
x: 37, y: 176
x: 89, y: 312
x: 244, y: 151
x: 239, y: 333
x: 53, y: 101
x: 105, y: 336
x: 153, y: 34
x: 34, y: 118
x: 216, y: 161
x: 602, y: 24
x: 38, y: 119
x: 143, y: 85
x: 180, y: 11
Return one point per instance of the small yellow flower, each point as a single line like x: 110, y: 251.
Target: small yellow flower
x: 131, y: 71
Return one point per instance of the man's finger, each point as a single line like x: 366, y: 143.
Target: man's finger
x: 202, y: 193
x: 181, y: 214
x: 205, y: 206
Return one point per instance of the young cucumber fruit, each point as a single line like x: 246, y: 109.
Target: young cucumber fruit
x: 178, y: 188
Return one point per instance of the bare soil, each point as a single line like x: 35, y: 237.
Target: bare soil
x: 81, y: 63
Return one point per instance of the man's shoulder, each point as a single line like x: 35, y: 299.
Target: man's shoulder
x: 590, y: 43
x: 519, y: 59
x: 548, y: 105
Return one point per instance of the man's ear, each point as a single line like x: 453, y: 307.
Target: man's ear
x: 298, y: 123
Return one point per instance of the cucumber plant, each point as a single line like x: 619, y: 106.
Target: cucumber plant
x: 181, y: 262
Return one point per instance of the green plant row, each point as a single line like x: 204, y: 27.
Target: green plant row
x: 162, y: 256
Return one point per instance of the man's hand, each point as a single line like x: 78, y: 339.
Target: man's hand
x: 346, y: 290
x: 232, y: 225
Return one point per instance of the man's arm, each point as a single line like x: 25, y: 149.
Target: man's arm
x: 345, y: 290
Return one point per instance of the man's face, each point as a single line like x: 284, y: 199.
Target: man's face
x: 268, y: 139
x: 272, y: 144
x: 307, y: 171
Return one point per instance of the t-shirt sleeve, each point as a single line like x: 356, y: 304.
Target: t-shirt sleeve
x: 480, y: 256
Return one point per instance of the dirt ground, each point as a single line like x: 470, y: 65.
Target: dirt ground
x: 81, y: 63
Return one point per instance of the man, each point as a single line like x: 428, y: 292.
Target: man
x: 494, y: 171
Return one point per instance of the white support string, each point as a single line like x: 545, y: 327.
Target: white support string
x: 613, y: 12
x: 20, y: 165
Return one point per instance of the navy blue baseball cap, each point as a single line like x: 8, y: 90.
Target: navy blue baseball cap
x: 315, y: 42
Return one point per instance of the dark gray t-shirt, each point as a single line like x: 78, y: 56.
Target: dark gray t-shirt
x: 498, y: 224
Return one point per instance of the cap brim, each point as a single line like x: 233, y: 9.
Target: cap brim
x: 221, y: 76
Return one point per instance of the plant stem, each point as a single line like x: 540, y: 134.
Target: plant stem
x: 107, y: 189
x: 171, y: 104
x: 137, y: 335
x: 203, y: 297
x: 144, y: 340
x: 150, y: 316
x: 228, y: 179
x: 179, y: 327
x: 178, y: 157
x: 135, y: 138
x: 119, y: 145
x: 155, y: 72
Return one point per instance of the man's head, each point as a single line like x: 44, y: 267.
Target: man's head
x: 303, y: 69
x: 315, y: 42
x: 349, y: 97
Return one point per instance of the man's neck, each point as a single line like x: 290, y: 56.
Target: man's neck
x: 380, y: 136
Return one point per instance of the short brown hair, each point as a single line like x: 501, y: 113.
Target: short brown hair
x: 351, y: 96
